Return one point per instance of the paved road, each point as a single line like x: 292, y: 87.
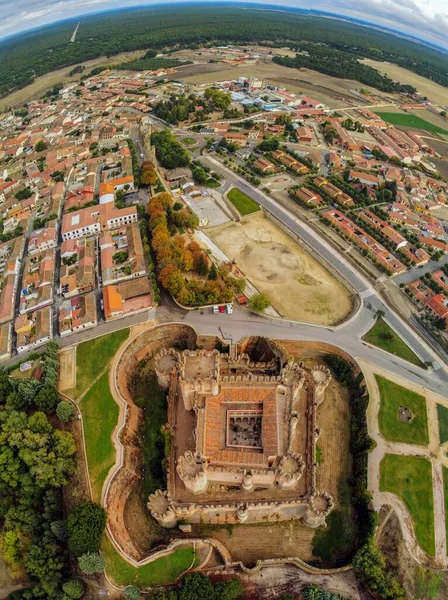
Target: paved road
x: 306, y: 235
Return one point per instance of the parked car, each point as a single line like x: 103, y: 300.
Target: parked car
x: 222, y: 309
x: 229, y: 309
x: 215, y: 310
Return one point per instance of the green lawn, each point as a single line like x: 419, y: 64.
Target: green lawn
x: 442, y: 414
x: 382, y: 336
x: 410, y: 478
x: 189, y: 141
x: 445, y: 491
x: 159, y: 572
x: 100, y: 415
x: 392, y: 397
x: 407, y: 120
x: 92, y: 358
x: 242, y: 203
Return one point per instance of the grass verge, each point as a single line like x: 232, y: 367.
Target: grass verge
x: 100, y: 416
x: 407, y: 120
x: 410, y: 478
x: 392, y: 397
x: 445, y: 493
x: 163, y: 571
x: 92, y: 357
x: 442, y: 415
x: 382, y: 336
x: 242, y: 202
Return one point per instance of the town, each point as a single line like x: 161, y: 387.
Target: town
x: 80, y: 165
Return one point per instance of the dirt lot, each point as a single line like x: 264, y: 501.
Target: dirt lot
x: 330, y: 90
x: 298, y: 286
x: 250, y: 543
x: 47, y: 81
x: 67, y: 371
x: 433, y: 91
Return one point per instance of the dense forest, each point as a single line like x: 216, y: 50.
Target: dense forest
x: 36, y: 53
x: 336, y: 63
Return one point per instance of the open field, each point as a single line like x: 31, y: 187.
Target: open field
x: 413, y: 121
x: 100, y: 415
x: 298, y: 286
x: 393, y: 397
x: 332, y: 91
x: 433, y: 91
x: 410, y: 478
x: 41, y: 84
x: 243, y: 204
x: 162, y: 571
x: 382, y: 336
x: 442, y: 416
x: 92, y: 358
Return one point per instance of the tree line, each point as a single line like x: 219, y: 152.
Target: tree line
x: 22, y: 58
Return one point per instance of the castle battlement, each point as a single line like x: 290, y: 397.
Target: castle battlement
x: 244, y: 432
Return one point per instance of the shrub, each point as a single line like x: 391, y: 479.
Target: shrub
x: 74, y: 588
x: 259, y: 302
x: 91, y: 563
x: 65, y: 411
x: 132, y: 593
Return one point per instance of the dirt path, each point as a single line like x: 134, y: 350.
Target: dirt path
x: 433, y: 452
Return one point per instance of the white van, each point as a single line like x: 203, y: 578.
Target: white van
x: 229, y: 309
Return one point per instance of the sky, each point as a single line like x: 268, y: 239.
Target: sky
x: 424, y: 19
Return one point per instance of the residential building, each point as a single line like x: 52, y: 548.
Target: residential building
x: 126, y: 298
x: 77, y: 314
x: 95, y: 219
x: 33, y: 329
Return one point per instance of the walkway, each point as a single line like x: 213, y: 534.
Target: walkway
x: 433, y: 452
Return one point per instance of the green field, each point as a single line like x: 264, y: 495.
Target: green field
x: 382, y: 336
x: 407, y: 120
x: 100, y: 415
x: 410, y: 478
x: 92, y: 358
x: 243, y: 204
x: 392, y: 397
x: 442, y: 415
x: 445, y: 492
x: 189, y: 141
x: 162, y: 571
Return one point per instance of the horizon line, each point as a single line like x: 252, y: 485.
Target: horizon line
x: 246, y: 4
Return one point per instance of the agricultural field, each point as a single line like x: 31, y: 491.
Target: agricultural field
x: 433, y: 91
x: 382, y: 336
x: 412, y: 121
x: 298, y: 286
x: 410, y: 478
x: 392, y: 428
x: 243, y: 203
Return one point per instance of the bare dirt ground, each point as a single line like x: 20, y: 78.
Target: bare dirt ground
x: 298, y: 286
x: 7, y: 584
x: 330, y: 90
x: 47, y: 81
x: 249, y: 543
x: 433, y: 91
x: 67, y: 368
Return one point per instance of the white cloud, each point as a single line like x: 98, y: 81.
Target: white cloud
x: 426, y: 19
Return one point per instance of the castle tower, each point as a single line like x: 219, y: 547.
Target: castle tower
x: 192, y: 469
x: 160, y: 508
x: 290, y: 470
x: 319, y: 508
